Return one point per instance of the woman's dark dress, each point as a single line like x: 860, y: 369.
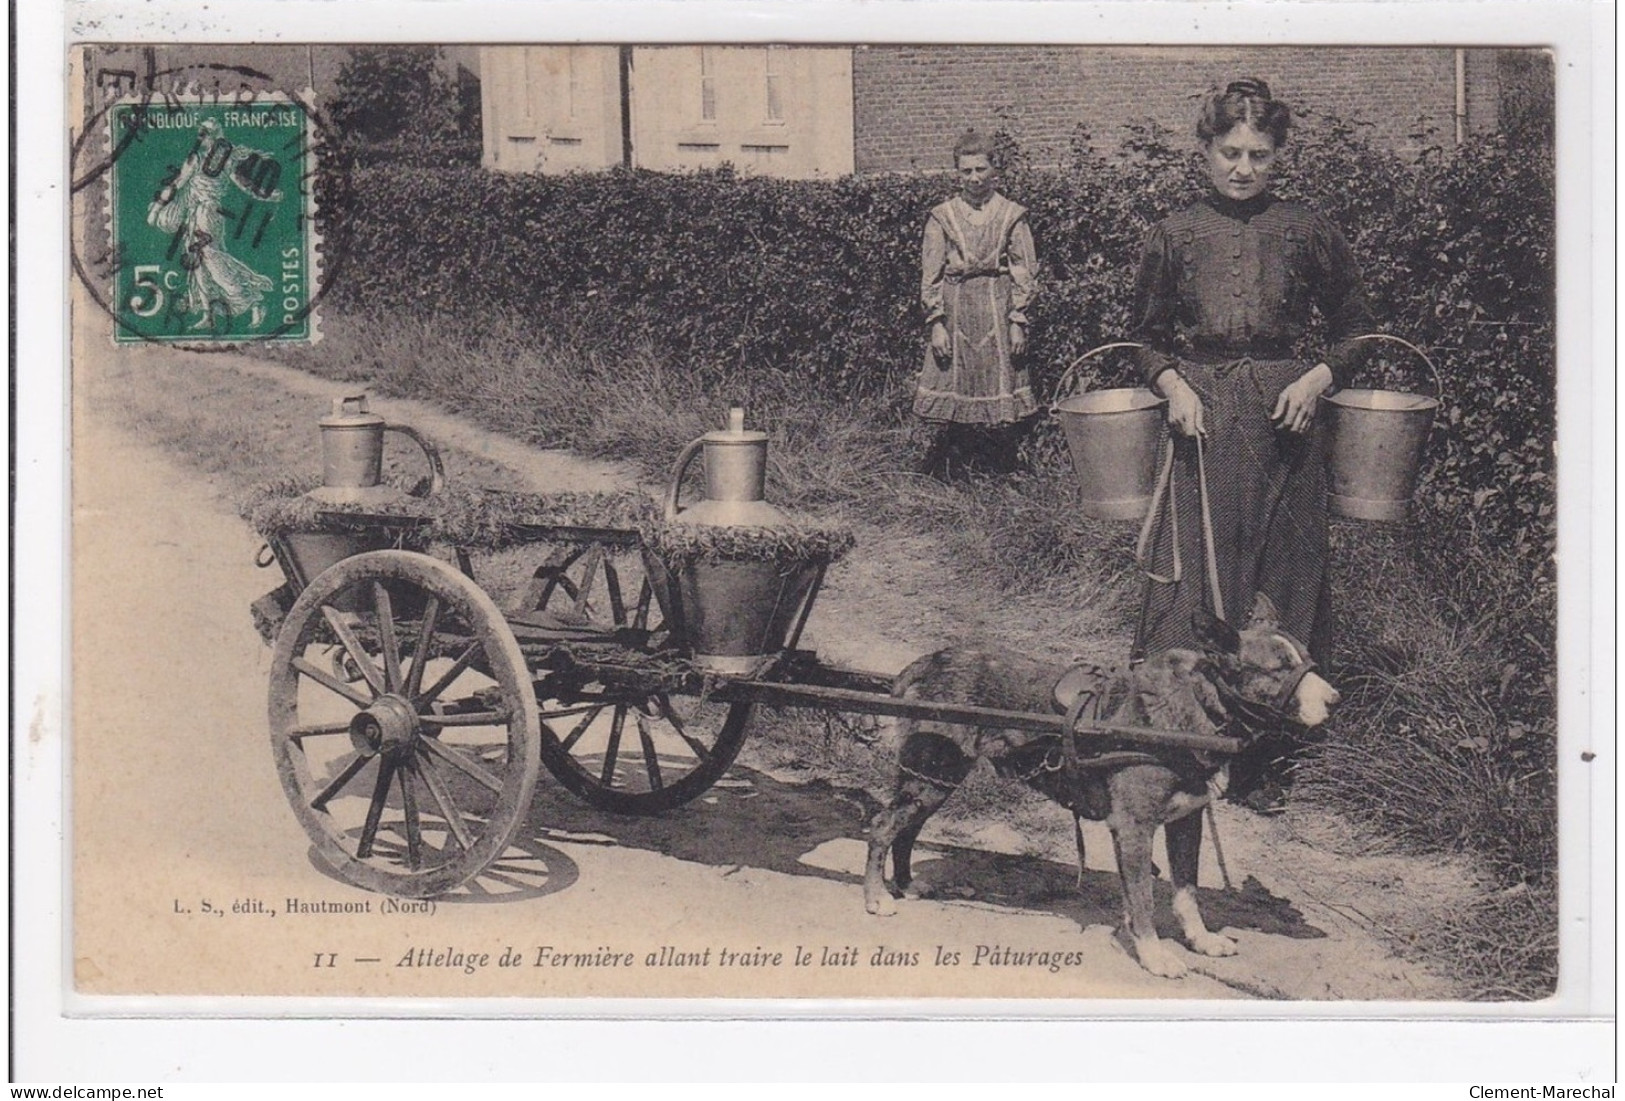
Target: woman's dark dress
x: 1224, y: 294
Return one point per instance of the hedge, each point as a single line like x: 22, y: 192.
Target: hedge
x: 720, y: 272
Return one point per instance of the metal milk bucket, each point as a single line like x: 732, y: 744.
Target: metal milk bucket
x: 735, y: 478
x: 1377, y: 438
x: 730, y: 614
x: 1112, y: 436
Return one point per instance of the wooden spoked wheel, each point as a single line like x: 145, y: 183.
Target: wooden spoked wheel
x: 403, y: 723
x: 629, y: 751
x: 632, y: 742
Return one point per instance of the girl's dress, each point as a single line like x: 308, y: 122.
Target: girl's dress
x: 978, y: 273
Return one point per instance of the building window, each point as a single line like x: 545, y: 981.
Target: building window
x: 572, y: 92
x: 708, y: 84
x: 769, y: 157
x: 772, y: 66
x: 525, y: 90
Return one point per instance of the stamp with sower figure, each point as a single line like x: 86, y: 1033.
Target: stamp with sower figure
x: 212, y: 220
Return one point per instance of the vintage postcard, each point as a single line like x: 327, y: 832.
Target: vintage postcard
x: 866, y: 522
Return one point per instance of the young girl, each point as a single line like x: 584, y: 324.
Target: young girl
x: 978, y: 276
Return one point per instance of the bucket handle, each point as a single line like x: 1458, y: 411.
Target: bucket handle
x: 1069, y: 376
x: 1438, y: 386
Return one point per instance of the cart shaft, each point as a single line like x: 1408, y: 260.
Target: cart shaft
x: 876, y: 703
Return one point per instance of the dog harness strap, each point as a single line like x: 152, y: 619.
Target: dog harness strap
x: 1069, y: 735
x: 1254, y: 714
x: 1163, y: 493
x: 1162, y: 500
x: 1077, y: 837
x: 1207, y: 531
x: 1074, y: 773
x: 1283, y: 698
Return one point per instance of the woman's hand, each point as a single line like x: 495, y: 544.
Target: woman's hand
x: 1018, y: 339
x: 1295, y: 408
x: 1185, y: 412
x: 941, y: 347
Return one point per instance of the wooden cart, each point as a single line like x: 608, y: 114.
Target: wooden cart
x: 410, y: 716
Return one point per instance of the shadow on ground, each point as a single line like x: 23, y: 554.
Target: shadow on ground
x: 753, y: 820
x: 528, y: 869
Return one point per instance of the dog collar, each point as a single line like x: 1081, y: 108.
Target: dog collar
x: 1283, y: 698
x: 1254, y: 714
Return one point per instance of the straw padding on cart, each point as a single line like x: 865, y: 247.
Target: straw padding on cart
x: 476, y: 519
x: 788, y: 545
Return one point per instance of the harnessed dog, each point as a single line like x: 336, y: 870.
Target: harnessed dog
x: 1241, y: 683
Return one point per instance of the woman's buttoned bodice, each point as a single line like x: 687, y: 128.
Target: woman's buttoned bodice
x: 1226, y: 279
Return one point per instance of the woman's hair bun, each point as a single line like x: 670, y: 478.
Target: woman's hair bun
x: 1247, y: 100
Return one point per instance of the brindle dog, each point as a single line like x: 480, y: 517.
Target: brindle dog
x: 1240, y: 680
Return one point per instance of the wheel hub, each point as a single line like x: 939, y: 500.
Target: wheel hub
x: 389, y: 724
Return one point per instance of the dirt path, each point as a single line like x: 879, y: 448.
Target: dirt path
x: 1308, y: 920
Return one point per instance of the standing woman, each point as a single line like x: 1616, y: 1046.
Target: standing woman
x: 978, y: 276
x: 1223, y: 299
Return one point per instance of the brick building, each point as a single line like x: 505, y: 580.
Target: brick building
x: 910, y: 101
x: 828, y: 110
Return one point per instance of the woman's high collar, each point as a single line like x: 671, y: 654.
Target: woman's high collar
x: 1243, y: 210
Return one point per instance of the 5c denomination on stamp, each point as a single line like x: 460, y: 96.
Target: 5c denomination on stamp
x: 212, y: 220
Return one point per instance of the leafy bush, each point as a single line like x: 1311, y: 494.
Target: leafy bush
x: 387, y: 93
x: 729, y: 276
x: 439, y: 152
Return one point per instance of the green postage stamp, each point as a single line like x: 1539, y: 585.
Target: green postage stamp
x: 212, y: 227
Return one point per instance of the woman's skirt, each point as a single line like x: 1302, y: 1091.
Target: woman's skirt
x: 1267, y: 498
